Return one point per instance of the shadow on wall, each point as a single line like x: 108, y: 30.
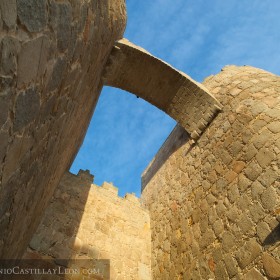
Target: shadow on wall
x: 85, y: 223
x: 55, y: 237
x: 273, y: 237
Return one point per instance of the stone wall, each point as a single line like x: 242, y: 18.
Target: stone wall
x: 87, y: 221
x: 52, y: 54
x: 215, y: 204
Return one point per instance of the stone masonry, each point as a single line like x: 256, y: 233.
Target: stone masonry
x: 212, y: 191
x: 215, y: 205
x: 55, y: 56
x: 85, y: 221
x: 52, y: 54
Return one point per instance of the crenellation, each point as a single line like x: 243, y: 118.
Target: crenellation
x: 132, y: 198
x: 111, y: 188
x: 85, y: 175
x: 103, y: 226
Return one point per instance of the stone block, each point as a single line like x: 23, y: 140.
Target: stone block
x: 243, y: 183
x: 233, y: 214
x: 32, y: 14
x: 254, y: 274
x: 27, y: 108
x: 256, y: 190
x: 257, y: 212
x: 220, y: 271
x: 8, y: 10
x: 35, y: 243
x: 61, y: 19
x: 252, y: 171
x: 9, y: 49
x: 250, y: 152
x: 4, y: 109
x: 32, y: 60
x: 230, y: 176
x: 218, y: 227
x: 207, y: 238
x: 263, y: 231
x: 228, y: 241
x: 238, y: 166
x: 204, y: 269
x: 271, y: 266
x: 18, y: 149
x: 4, y: 138
x: 264, y: 157
x: 269, y: 198
x: 246, y: 225
x: 131, y: 197
x: 221, y: 209
x: 6, y: 83
x: 260, y: 140
x: 231, y: 265
x: 274, y: 127
x: 248, y: 253
x: 268, y: 177
x: 85, y: 175
x: 233, y: 193
x: 212, y: 215
x: 110, y: 187
x: 57, y: 74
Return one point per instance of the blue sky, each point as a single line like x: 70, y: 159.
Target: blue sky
x: 198, y: 37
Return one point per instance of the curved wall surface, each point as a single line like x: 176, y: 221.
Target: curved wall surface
x: 214, y: 205
x: 51, y: 59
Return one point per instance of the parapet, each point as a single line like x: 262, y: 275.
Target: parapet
x: 132, y: 197
x: 110, y: 187
x: 85, y: 175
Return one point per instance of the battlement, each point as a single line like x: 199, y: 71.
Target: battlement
x: 111, y: 190
x: 132, y: 197
x: 86, y: 175
x: 110, y: 187
x: 88, y: 218
x: 84, y: 179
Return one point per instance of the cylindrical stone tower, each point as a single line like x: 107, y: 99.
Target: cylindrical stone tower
x: 215, y: 204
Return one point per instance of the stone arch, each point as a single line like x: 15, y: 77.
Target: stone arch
x: 133, y: 69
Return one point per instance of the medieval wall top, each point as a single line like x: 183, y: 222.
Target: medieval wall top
x: 84, y: 221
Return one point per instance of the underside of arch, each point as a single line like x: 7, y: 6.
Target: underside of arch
x: 133, y: 69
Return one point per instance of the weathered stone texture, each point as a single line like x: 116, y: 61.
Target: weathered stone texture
x: 52, y: 54
x: 27, y: 108
x: 8, y: 10
x: 216, y: 202
x: 32, y: 60
x: 32, y: 14
x: 9, y: 50
x: 87, y: 221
